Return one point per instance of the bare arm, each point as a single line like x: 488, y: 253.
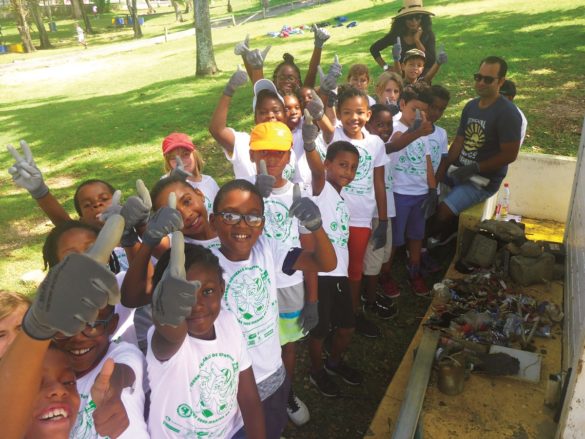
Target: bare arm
x: 218, y: 125
x: 317, y: 171
x: 431, y: 181
x: 508, y: 153
x: 401, y: 140
x: 432, y: 72
x: 325, y: 125
x: 322, y: 258
x: 311, y: 76
x: 167, y: 340
x: 311, y: 291
x: 53, y: 209
x: 137, y: 286
x: 19, y: 386
x: 250, y: 405
x: 380, y: 193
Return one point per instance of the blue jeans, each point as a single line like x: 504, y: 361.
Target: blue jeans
x: 465, y: 195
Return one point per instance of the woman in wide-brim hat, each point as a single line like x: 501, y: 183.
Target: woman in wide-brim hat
x: 413, y: 26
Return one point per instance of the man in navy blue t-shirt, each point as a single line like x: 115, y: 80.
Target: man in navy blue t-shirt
x: 488, y: 139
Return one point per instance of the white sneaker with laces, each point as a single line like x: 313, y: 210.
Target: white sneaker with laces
x: 297, y: 410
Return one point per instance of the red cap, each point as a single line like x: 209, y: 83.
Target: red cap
x: 177, y: 140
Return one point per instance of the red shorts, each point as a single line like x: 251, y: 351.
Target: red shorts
x: 357, y: 244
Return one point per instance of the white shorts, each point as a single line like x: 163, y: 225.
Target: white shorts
x: 373, y: 260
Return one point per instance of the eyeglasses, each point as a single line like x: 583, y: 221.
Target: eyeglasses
x: 486, y: 79
x: 414, y: 17
x: 91, y: 330
x: 232, y: 219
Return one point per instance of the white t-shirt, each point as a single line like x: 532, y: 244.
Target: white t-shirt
x: 125, y: 330
x: 240, y: 158
x: 194, y: 393
x: 335, y: 216
x: 438, y: 145
x: 409, y: 165
x: 250, y: 293
x: 523, y: 127
x: 209, y: 187
x: 208, y: 243
x: 371, y: 101
x: 359, y: 194
x: 132, y: 398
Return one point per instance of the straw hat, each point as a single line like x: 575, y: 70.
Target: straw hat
x: 411, y: 7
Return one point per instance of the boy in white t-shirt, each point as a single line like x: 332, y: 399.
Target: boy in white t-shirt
x: 335, y: 301
x: 251, y: 263
x: 415, y: 187
x: 198, y: 364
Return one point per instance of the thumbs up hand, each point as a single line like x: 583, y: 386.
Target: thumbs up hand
x: 397, y: 50
x: 305, y: 210
x: 166, y: 220
x: 264, y: 182
x: 310, y: 132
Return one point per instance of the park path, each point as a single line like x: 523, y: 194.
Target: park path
x: 21, y: 70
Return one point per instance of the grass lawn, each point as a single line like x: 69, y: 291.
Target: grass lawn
x: 104, y: 116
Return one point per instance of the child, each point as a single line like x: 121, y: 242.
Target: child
x: 388, y: 89
x: 335, y: 301
x: 376, y: 262
x: 251, y: 263
x: 87, y: 351
x: 188, y: 214
x: 268, y: 106
x: 271, y: 143
x: 180, y: 145
x: 359, y: 77
x: 199, y: 350
x: 414, y: 180
x: 80, y: 35
x: 413, y: 65
x: 65, y: 303
x: 508, y: 90
x: 12, y: 309
x: 365, y: 194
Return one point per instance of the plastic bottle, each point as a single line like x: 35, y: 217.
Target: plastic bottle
x: 503, y: 206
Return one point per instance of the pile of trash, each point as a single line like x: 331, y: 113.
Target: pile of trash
x: 286, y: 31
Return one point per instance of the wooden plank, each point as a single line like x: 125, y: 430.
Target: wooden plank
x: 417, y: 385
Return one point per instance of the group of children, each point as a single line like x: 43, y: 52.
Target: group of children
x: 218, y: 284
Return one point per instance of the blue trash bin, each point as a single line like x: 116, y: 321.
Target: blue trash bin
x: 52, y: 26
x: 140, y: 21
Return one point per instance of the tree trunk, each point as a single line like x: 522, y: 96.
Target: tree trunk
x: 151, y: 10
x: 21, y: 12
x: 133, y: 10
x: 178, y: 15
x: 86, y: 20
x: 205, y: 56
x: 75, y: 10
x: 36, y: 14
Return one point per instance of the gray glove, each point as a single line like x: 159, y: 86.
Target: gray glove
x: 179, y: 169
x: 417, y: 122
x: 305, y: 210
x: 315, y: 106
x: 397, y: 50
x: 309, y: 317
x: 329, y: 82
x: 166, y: 220
x: 331, y: 99
x: 76, y: 288
x: 239, y: 78
x: 321, y: 35
x: 243, y: 47
x: 379, y: 235
x: 442, y: 56
x: 392, y: 107
x: 264, y: 182
x: 174, y: 296
x: 256, y: 58
x: 310, y: 132
x: 25, y: 172
x: 429, y: 205
x: 464, y: 173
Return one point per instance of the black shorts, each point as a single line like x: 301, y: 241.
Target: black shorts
x: 335, y: 305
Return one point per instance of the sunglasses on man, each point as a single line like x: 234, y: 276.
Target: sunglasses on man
x: 486, y: 79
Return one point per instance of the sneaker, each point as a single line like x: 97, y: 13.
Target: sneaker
x: 383, y: 310
x: 365, y: 327
x: 428, y: 264
x: 417, y: 283
x: 297, y: 410
x: 433, y: 242
x: 324, y: 384
x: 351, y: 376
x: 389, y: 287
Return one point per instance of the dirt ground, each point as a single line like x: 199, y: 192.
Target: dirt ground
x: 349, y: 416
